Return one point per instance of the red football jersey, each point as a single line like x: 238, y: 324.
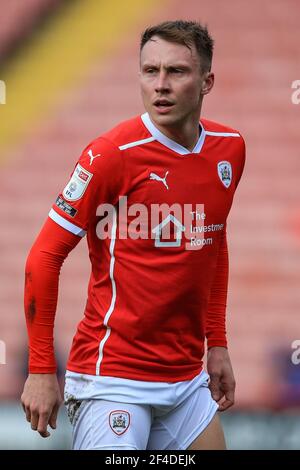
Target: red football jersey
x: 149, y: 290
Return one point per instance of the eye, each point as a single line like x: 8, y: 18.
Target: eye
x: 176, y: 71
x: 150, y: 71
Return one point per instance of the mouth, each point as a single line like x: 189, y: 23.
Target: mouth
x: 163, y: 105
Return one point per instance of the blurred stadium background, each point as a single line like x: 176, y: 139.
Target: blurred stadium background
x: 70, y: 69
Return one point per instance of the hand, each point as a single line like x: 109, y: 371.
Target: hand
x: 222, y: 383
x: 41, y: 400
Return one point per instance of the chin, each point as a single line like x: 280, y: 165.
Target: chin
x: 164, y: 119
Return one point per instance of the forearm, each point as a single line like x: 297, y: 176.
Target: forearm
x: 40, y: 302
x: 216, y: 313
x: 41, y: 291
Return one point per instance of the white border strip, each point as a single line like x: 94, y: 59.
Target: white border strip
x: 66, y: 224
x: 114, y: 291
x: 169, y: 143
x: 200, y: 143
x: 223, y: 134
x: 136, y: 143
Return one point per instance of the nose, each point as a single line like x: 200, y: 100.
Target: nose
x: 162, y: 82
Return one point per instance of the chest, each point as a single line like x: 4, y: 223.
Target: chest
x: 203, y: 180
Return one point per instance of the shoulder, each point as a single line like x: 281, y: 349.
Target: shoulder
x: 219, y: 129
x: 112, y: 143
x: 232, y: 137
x: 104, y: 155
x: 128, y: 133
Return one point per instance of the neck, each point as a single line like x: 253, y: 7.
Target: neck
x: 186, y: 134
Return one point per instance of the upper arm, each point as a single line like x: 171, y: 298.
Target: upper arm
x: 96, y: 179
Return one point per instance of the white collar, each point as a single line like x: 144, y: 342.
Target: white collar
x: 171, y: 144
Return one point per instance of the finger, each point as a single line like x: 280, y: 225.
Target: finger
x: 216, y: 393
x: 26, y: 410
x: 34, y: 419
x: 53, y: 417
x: 225, y: 405
x: 215, y: 388
x: 28, y: 414
x: 43, y: 423
x: 228, y: 402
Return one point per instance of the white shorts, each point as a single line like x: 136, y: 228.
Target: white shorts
x: 107, y: 425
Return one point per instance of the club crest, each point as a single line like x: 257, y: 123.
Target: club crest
x: 225, y: 173
x: 119, y: 421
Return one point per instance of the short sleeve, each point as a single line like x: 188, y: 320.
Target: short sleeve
x: 98, y: 178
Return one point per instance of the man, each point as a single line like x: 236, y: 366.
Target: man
x: 135, y: 377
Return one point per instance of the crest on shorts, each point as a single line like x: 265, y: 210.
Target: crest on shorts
x: 119, y: 421
x: 225, y: 173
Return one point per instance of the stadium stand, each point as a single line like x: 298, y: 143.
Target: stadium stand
x: 18, y: 20
x: 256, y: 61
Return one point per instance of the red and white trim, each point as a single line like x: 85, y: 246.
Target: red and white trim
x: 66, y: 224
x: 171, y: 144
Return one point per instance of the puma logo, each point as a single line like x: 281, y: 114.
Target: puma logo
x: 92, y: 157
x: 154, y: 176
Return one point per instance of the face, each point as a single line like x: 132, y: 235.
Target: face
x: 172, y: 83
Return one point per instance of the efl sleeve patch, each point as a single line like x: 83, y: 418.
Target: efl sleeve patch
x: 64, y: 206
x: 78, y: 183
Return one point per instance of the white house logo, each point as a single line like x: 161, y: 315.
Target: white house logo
x: 119, y: 421
x: 154, y: 176
x: 158, y: 231
x: 225, y: 173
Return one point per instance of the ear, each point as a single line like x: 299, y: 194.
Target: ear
x: 207, y: 82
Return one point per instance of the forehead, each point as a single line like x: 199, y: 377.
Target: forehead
x: 159, y: 51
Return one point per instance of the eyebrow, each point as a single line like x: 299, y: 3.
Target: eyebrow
x: 178, y: 65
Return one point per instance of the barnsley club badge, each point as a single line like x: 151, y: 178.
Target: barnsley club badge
x: 225, y: 173
x: 119, y: 421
